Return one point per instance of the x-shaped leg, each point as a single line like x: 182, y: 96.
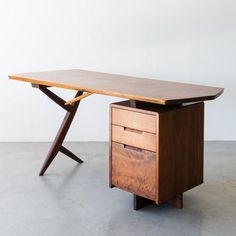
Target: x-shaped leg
x: 61, y: 134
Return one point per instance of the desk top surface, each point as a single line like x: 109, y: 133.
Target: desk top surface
x: 149, y: 90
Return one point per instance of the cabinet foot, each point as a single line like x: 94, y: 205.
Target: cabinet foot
x: 177, y: 201
x: 140, y: 202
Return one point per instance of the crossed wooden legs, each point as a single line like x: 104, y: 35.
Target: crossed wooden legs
x: 57, y: 143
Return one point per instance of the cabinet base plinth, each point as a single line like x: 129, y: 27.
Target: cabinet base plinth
x: 177, y: 201
x: 140, y: 202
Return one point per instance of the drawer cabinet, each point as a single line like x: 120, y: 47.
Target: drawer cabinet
x: 156, y: 151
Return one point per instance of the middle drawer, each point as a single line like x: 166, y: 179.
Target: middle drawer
x: 135, y: 138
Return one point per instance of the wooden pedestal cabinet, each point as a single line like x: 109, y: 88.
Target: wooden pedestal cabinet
x: 156, y: 152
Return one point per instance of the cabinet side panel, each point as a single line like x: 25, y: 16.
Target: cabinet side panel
x: 110, y: 146
x: 157, y: 159
x: 181, y: 142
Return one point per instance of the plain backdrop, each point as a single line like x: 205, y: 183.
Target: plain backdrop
x: 191, y: 41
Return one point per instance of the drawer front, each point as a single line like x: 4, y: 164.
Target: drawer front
x: 134, y: 120
x: 134, y: 138
x: 134, y: 170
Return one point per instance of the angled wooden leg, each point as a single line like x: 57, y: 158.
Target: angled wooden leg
x: 177, y: 201
x: 140, y: 202
x: 57, y: 143
x: 70, y: 154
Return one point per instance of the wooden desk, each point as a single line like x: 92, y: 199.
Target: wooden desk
x: 155, y: 91
x: 86, y: 83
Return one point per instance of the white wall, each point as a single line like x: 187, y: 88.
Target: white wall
x: 184, y: 40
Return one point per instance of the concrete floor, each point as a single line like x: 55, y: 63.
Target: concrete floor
x: 73, y: 199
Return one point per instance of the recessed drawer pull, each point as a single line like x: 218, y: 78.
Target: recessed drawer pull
x: 133, y: 130
x: 133, y: 137
x: 133, y: 148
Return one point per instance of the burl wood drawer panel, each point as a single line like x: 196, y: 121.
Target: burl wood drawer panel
x: 134, y: 170
x: 134, y: 137
x: 134, y: 120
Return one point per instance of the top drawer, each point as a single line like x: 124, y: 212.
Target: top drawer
x: 134, y: 120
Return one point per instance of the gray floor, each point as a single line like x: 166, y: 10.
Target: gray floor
x: 75, y: 199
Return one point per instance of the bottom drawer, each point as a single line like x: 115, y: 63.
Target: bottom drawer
x: 133, y: 170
